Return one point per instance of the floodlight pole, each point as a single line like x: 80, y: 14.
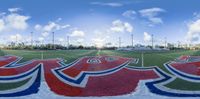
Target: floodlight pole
x: 67, y: 42
x: 42, y: 53
x: 53, y: 46
x: 16, y: 40
x: 152, y: 40
x: 132, y: 40
x: 32, y: 39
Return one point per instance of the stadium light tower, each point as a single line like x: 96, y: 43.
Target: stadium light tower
x: 152, y: 40
x: 53, y: 45
x: 67, y: 42
x: 16, y: 39
x: 32, y: 39
x: 132, y: 40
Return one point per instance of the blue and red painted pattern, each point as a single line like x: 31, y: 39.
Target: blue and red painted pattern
x: 87, y: 76
x: 187, y: 69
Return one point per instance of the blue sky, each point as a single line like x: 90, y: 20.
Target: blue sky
x: 97, y: 22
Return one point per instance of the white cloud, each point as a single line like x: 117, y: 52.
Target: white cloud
x: 77, y: 33
x: 2, y: 14
x: 193, y: 33
x: 15, y: 37
x: 12, y: 10
x: 128, y: 27
x: 129, y: 14
x: 38, y: 27
x: 156, y: 20
x: 196, y: 15
x: 45, y: 34
x: 119, y: 26
x: 17, y: 21
x: 152, y: 15
x: 2, y: 24
x: 65, y: 26
x: 61, y: 40
x: 80, y: 40
x: 13, y: 21
x: 99, y: 42
x: 151, y: 12
x: 111, y: 4
x: 59, y: 19
x: 51, y: 26
x: 41, y: 39
x: 147, y: 37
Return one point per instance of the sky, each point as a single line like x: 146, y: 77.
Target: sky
x: 100, y: 22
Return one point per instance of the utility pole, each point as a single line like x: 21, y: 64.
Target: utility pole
x: 132, y: 40
x: 152, y: 40
x: 53, y: 45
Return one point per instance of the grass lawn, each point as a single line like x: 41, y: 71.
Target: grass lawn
x: 150, y: 59
x: 184, y: 85
x: 68, y: 55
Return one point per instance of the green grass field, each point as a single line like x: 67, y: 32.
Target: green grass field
x: 150, y: 59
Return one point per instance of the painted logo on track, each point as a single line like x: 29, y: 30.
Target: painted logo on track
x: 87, y: 76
